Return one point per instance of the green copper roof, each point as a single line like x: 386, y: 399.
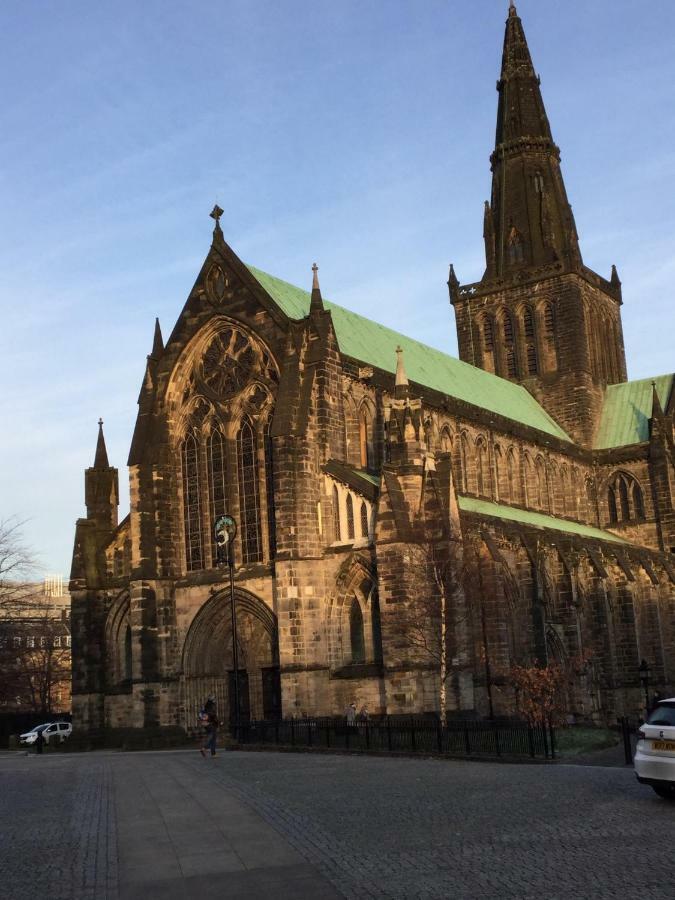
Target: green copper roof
x: 375, y: 345
x: 534, y: 519
x: 627, y: 410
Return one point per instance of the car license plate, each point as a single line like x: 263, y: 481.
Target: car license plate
x: 663, y: 745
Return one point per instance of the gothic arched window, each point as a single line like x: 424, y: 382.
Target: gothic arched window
x: 269, y: 488
x: 249, y: 499
x: 483, y: 476
x: 549, y: 323
x: 356, y: 633
x: 446, y: 440
x: 540, y: 469
x: 512, y: 476
x: 366, y: 438
x: 510, y: 359
x: 337, y: 530
x: 488, y: 334
x: 625, y: 500
x: 350, y: 517
x: 464, y: 462
x: 532, y: 366
x: 217, y: 478
x: 528, y: 322
x: 364, y: 519
x: 638, y: 501
x: 192, y: 514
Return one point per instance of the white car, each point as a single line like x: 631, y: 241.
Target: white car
x: 654, y: 759
x: 51, y: 731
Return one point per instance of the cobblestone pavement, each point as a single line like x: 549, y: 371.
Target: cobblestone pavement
x: 57, y: 827
x: 251, y: 824
x: 401, y: 828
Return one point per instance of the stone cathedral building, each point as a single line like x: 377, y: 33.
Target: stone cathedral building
x: 339, y: 445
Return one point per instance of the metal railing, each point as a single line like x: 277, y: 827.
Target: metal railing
x: 414, y: 735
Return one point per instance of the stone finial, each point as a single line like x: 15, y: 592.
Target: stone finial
x: 512, y: 8
x: 401, y: 377
x: 316, y: 302
x: 215, y: 214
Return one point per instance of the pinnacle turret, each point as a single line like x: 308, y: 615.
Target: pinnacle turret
x: 157, y: 342
x: 316, y: 302
x: 101, y: 456
x: 402, y: 384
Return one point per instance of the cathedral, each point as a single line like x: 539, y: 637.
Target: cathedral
x: 528, y: 485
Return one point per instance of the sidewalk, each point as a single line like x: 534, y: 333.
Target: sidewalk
x: 179, y: 835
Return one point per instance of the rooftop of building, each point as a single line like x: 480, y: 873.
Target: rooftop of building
x: 374, y: 344
x: 626, y: 411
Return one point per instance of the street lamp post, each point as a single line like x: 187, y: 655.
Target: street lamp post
x: 225, y: 531
x: 645, y: 672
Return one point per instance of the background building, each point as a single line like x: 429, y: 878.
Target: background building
x: 35, y: 652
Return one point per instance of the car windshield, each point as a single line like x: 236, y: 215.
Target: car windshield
x: 664, y: 714
x: 39, y: 728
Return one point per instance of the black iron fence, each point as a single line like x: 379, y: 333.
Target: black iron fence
x: 415, y: 735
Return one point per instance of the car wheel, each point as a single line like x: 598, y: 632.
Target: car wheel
x: 666, y: 791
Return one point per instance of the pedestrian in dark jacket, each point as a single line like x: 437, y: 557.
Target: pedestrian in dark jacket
x: 210, y: 721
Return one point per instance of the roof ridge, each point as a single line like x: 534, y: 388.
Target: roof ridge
x: 490, y: 392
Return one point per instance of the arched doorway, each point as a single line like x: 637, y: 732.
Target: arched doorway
x: 208, y: 666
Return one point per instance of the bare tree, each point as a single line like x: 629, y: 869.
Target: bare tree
x: 17, y: 564
x: 433, y: 623
x: 35, y: 662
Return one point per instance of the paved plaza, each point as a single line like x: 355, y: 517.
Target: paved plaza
x: 282, y: 825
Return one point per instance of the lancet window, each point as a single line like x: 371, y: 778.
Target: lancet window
x: 364, y: 520
x: 337, y: 530
x: 625, y: 500
x: 269, y: 488
x: 350, y: 517
x: 356, y: 633
x: 192, y: 515
x: 249, y: 498
x: 366, y: 448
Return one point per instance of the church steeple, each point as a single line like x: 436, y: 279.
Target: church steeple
x: 101, y: 455
x: 538, y: 315
x: 101, y: 487
x: 529, y: 221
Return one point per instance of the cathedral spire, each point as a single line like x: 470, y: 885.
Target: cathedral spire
x: 101, y: 457
x: 529, y: 222
x: 316, y: 303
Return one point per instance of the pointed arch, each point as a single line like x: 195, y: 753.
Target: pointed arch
x: 364, y: 520
x: 446, y: 440
x: 192, y: 511
x: 530, y: 481
x: 350, y: 518
x: 357, y: 638
x: 625, y: 499
x: 508, y: 344
x: 269, y: 488
x: 366, y: 448
x: 541, y: 485
x: 482, y: 468
x: 216, y: 462
x: 337, y: 530
x: 512, y: 476
x: 249, y: 494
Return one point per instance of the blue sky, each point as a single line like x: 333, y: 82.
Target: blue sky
x: 354, y: 134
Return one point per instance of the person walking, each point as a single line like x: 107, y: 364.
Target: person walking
x: 210, y: 721
x: 350, y: 715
